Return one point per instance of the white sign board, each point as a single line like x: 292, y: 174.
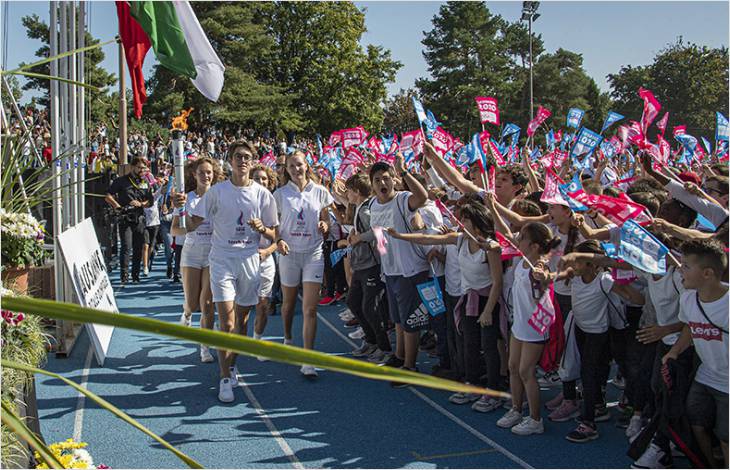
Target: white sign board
x: 85, y: 263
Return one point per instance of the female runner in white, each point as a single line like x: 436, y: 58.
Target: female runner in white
x: 302, y: 206
x: 194, y: 258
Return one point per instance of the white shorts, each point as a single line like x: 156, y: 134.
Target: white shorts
x: 268, y: 272
x: 235, y: 279
x: 195, y: 256
x: 296, y: 268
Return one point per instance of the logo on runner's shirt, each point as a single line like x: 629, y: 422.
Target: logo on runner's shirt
x: 300, y: 215
x: 240, y: 219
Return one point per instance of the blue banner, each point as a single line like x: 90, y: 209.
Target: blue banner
x: 432, y: 298
x: 610, y: 250
x: 575, y: 115
x: 431, y: 124
x: 574, y: 186
x: 535, y: 154
x: 610, y: 119
x: 721, y: 129
x: 708, y: 146
x: 608, y: 149
x: 565, y: 141
x: 508, y: 130
x: 642, y: 249
x: 585, y: 143
x: 550, y: 140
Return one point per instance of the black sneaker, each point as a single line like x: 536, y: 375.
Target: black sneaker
x: 402, y: 384
x: 393, y: 361
x: 176, y: 278
x: 169, y: 272
x: 135, y: 280
x: 583, y: 433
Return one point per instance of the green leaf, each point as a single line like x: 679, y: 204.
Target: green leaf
x: 52, y: 77
x: 107, y: 406
x: 59, y: 56
x: 12, y: 421
x: 237, y: 343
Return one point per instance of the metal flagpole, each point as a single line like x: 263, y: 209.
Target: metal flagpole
x: 16, y: 109
x: 72, y: 118
x: 63, y: 99
x: 55, y: 167
x: 81, y: 125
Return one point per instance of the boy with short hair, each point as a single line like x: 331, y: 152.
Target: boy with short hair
x: 704, y: 311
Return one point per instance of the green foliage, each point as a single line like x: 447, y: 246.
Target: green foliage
x: 398, y: 115
x: 95, y: 74
x: 690, y: 81
x: 471, y: 52
x: 289, y: 66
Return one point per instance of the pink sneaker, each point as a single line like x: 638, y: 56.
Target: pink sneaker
x: 567, y: 410
x: 555, y: 402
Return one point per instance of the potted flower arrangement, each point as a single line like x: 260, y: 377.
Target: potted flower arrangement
x: 21, y: 247
x: 71, y: 454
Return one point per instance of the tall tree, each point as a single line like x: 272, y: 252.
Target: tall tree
x: 319, y: 60
x: 471, y: 52
x: 95, y: 74
x: 398, y: 115
x: 690, y: 81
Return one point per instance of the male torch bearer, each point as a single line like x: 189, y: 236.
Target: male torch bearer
x: 178, y: 145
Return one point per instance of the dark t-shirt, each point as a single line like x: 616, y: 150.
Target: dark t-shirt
x: 125, y: 190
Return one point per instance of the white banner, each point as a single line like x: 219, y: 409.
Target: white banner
x: 85, y: 262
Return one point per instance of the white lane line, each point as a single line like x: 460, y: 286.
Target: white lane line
x: 441, y: 410
x: 283, y: 445
x: 79, y: 415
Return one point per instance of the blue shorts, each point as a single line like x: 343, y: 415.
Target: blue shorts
x: 404, y: 303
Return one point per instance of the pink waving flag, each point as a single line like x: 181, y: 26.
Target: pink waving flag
x: 508, y: 249
x: 351, y: 163
x: 488, y: 110
x: 353, y: 136
x: 636, y: 135
x: 679, y: 130
x: 442, y: 141
x: 551, y: 193
x: 381, y: 241
x: 617, y: 210
x: 540, y: 117
x: 662, y: 123
x: 544, y: 315
x: 496, y: 153
x: 412, y: 141
x: 268, y: 159
x: 651, y: 108
x: 335, y: 138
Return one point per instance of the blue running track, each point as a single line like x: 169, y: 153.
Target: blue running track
x: 280, y: 419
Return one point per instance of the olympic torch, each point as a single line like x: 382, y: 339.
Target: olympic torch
x: 180, y: 124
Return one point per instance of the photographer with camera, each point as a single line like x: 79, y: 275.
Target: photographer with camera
x: 129, y: 195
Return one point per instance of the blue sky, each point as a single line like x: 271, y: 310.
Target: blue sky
x: 607, y: 34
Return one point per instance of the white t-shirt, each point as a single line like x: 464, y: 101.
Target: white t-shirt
x: 664, y: 295
x: 710, y: 343
x: 591, y: 304
x: 452, y: 271
x: 432, y: 219
x: 402, y: 258
x: 152, y: 214
x: 560, y: 286
x: 523, y: 304
x: 203, y: 234
x: 299, y: 213
x: 229, y: 208
x: 475, y: 272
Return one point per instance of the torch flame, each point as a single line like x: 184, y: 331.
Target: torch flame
x: 181, y: 122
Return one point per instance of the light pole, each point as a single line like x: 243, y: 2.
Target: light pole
x: 529, y: 14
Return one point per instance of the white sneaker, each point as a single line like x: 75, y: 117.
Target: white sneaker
x: 226, y: 391
x: 186, y: 320
x: 357, y: 334
x: 205, y: 355
x: 347, y: 316
x: 146, y: 271
x: 653, y: 457
x: 510, y: 418
x: 289, y: 342
x: 234, y: 376
x: 635, y: 425
x: 551, y: 379
x: 528, y: 426
x: 308, y: 371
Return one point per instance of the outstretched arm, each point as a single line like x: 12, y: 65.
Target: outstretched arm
x: 448, y: 172
x: 425, y: 238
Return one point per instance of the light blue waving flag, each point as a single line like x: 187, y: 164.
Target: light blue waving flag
x: 610, y: 249
x: 509, y: 129
x: 642, y: 249
x: 337, y: 255
x: 721, y: 129
x: 708, y: 146
x: 610, y: 119
x: 419, y: 110
x: 431, y: 296
x: 585, y: 142
x: 574, y: 117
x: 431, y: 124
